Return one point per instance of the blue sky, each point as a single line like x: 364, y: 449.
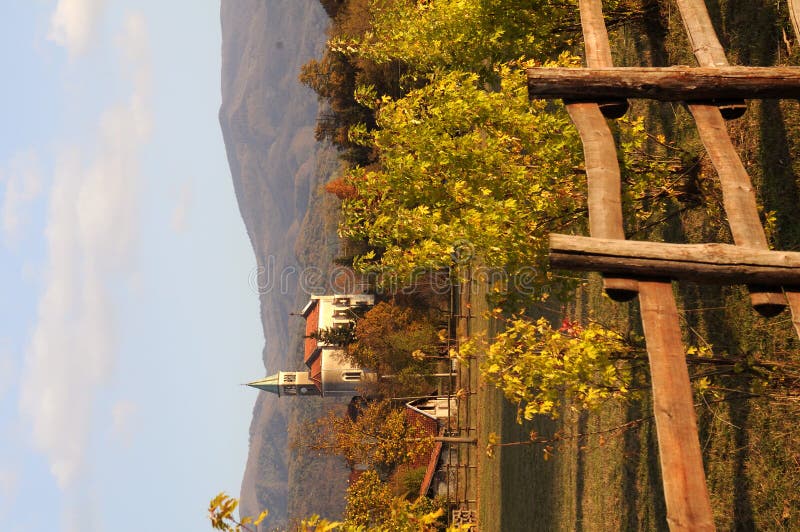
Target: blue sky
x: 127, y: 321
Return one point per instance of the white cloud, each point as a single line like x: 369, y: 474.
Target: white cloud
x: 23, y: 184
x: 91, y: 234
x: 182, y: 208
x: 74, y: 23
x: 125, y: 418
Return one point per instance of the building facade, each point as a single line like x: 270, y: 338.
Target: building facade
x: 329, y: 373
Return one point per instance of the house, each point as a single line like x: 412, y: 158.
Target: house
x: 432, y: 416
x: 329, y: 373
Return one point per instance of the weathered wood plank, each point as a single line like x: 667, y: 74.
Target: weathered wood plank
x: 793, y: 296
x: 603, y: 176
x: 598, y: 51
x: 702, y: 37
x: 708, y: 263
x: 602, y: 167
x: 794, y: 16
x: 666, y: 84
x: 706, y: 46
x: 685, y: 497
x: 737, y: 195
x: 685, y: 491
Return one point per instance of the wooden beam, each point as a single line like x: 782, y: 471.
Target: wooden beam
x: 706, y: 47
x: 738, y: 197
x: 737, y: 191
x: 685, y: 491
x: 666, y: 84
x: 598, y: 51
x: 708, y: 263
x: 599, y: 149
x: 794, y: 16
x: 604, y: 196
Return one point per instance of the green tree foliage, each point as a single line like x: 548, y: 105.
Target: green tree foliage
x: 379, y: 437
x: 391, y: 337
x: 335, y: 76
x: 462, y: 35
x: 370, y: 508
x: 459, y: 163
x: 540, y: 369
x: 340, y: 335
x: 370, y: 504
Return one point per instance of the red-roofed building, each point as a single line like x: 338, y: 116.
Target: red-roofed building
x: 431, y: 416
x: 329, y: 374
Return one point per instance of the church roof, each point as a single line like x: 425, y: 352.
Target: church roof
x: 309, y: 307
x: 312, y: 326
x: 268, y: 384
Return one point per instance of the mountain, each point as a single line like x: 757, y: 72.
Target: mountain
x: 267, y: 120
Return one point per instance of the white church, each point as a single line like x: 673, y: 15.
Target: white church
x: 329, y: 374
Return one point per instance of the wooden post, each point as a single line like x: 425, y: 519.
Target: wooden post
x: 737, y: 196
x: 604, y: 198
x: 602, y: 167
x: 598, y: 51
x: 687, y: 498
x: 708, y: 263
x: 685, y: 491
x: 706, y: 47
x: 794, y: 16
x: 665, y: 84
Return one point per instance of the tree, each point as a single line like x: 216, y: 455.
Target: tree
x: 391, y: 337
x: 370, y: 503
x: 220, y: 513
x: 379, y: 437
x: 461, y: 35
x: 540, y: 369
x: 369, y: 508
x: 459, y: 163
x: 339, y: 335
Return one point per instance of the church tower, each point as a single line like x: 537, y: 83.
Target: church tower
x: 287, y: 383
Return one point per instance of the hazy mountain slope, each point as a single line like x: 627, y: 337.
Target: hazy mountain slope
x: 267, y: 121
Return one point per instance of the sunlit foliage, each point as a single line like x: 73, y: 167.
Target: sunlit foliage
x: 541, y: 369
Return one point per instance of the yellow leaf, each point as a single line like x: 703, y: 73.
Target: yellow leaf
x: 260, y: 517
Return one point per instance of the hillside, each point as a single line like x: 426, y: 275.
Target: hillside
x: 267, y: 120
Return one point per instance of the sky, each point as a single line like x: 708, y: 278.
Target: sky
x: 127, y: 320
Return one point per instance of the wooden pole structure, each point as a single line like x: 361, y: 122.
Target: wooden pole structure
x: 707, y: 263
x: 688, y: 506
x: 738, y: 196
x: 598, y: 51
x: 794, y: 16
x: 665, y: 84
x: 707, y: 48
x: 602, y: 167
x: 684, y: 480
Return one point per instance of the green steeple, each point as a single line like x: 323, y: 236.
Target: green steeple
x: 288, y: 383
x: 269, y: 384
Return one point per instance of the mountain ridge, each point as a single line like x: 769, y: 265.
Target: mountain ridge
x: 267, y: 120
